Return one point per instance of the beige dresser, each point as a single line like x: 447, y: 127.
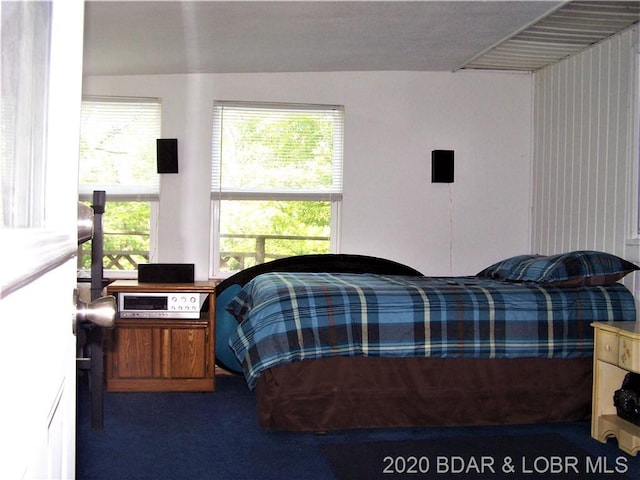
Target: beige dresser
x: 616, y: 352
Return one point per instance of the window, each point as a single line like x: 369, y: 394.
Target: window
x: 276, y: 182
x: 24, y: 77
x: 118, y: 155
x: 637, y: 81
x: 31, y: 238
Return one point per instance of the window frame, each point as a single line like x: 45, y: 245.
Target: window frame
x: 637, y: 147
x: 218, y: 193
x: 129, y: 193
x: 633, y: 240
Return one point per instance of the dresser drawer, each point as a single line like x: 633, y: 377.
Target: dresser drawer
x: 629, y: 353
x: 607, y: 345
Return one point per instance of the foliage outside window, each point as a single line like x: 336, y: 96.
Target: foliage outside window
x: 118, y: 155
x: 276, y: 181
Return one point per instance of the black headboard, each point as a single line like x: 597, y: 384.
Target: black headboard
x: 330, y: 263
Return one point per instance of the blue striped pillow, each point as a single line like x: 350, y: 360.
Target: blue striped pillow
x: 572, y: 269
x: 502, y: 269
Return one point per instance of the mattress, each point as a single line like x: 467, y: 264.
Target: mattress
x: 289, y: 317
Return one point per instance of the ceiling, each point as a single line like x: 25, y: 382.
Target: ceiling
x: 574, y: 26
x: 168, y: 37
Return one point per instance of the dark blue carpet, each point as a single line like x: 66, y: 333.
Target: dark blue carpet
x: 216, y: 436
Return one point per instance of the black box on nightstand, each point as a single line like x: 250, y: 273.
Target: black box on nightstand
x: 166, y: 272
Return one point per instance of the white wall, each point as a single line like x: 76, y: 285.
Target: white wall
x: 393, y: 120
x: 585, y: 175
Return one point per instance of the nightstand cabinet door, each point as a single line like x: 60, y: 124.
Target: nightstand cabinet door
x: 188, y: 348
x: 157, y: 355
x: 134, y: 356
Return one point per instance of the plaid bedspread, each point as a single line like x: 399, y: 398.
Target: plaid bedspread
x: 288, y: 317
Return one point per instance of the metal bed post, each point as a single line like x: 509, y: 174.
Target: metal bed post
x: 95, y: 335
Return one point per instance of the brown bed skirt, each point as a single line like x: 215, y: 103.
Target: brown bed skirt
x: 345, y: 393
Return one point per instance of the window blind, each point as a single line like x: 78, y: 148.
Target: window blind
x: 118, y: 147
x: 288, y: 151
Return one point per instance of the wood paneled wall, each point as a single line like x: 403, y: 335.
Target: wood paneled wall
x: 585, y: 152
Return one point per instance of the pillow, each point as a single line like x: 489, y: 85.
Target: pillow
x: 226, y: 324
x: 572, y: 269
x: 502, y: 269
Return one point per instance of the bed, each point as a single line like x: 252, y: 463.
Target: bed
x: 341, y: 342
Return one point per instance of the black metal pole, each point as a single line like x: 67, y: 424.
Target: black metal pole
x: 94, y: 335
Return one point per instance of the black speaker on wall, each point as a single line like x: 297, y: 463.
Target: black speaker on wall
x: 167, y: 155
x: 442, y: 166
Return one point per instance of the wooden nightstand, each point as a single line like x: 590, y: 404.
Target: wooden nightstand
x: 616, y: 352
x: 160, y: 353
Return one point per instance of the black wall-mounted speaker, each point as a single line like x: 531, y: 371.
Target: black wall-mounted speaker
x: 442, y: 166
x: 166, y: 272
x: 167, y: 155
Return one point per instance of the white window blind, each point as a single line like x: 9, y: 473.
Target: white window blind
x: 118, y: 147
x: 290, y: 151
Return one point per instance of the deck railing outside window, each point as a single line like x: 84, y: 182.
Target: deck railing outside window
x: 230, y: 260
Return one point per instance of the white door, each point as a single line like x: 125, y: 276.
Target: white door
x: 41, y: 80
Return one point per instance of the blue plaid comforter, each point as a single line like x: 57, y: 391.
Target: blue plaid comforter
x: 286, y: 317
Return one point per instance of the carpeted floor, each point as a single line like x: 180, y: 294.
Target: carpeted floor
x: 216, y: 436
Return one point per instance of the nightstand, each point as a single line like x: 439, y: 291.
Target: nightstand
x: 616, y: 352
x: 158, y: 352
